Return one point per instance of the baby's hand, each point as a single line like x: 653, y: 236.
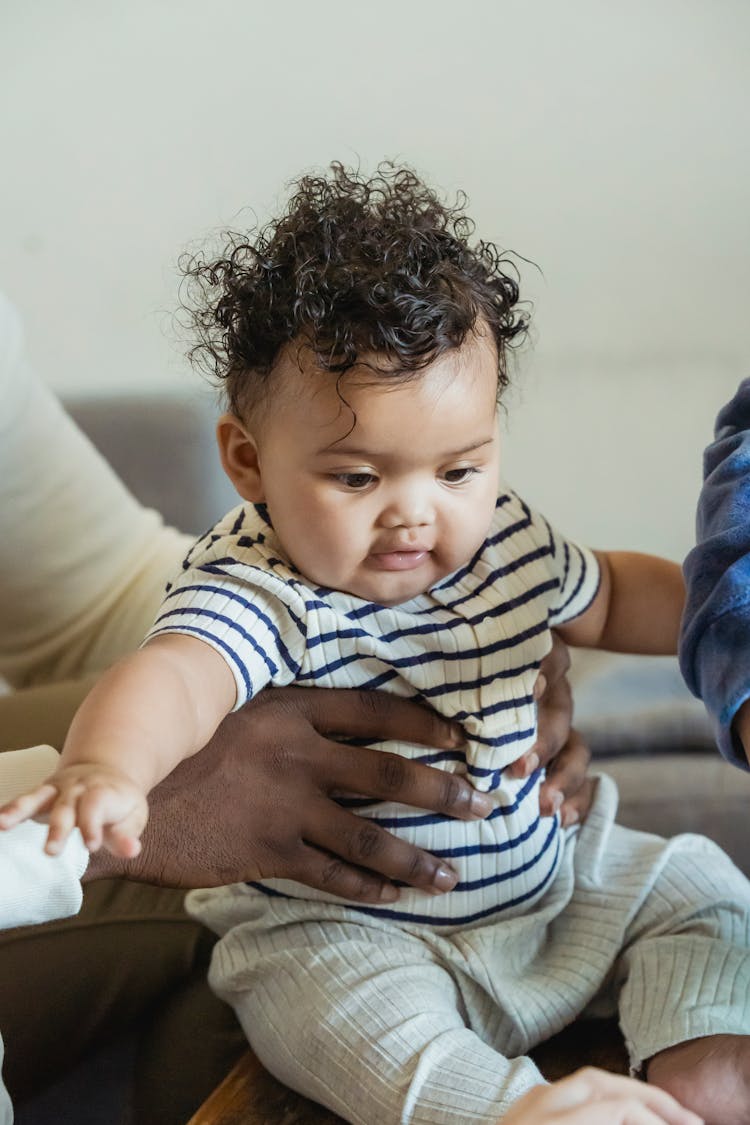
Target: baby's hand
x: 102, y: 802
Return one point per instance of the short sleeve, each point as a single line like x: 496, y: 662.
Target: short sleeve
x: 577, y: 571
x: 256, y: 628
x: 556, y: 568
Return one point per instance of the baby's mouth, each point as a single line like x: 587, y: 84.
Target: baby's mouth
x: 404, y: 558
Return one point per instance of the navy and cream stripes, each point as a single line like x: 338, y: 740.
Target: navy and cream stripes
x: 470, y: 647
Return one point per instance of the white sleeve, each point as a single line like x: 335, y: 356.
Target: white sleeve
x: 572, y: 570
x: 82, y: 564
x: 255, y: 622
x: 577, y: 570
x: 35, y: 887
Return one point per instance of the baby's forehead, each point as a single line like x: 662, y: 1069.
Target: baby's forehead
x: 303, y: 390
x: 299, y: 360
x: 298, y: 363
x: 375, y: 406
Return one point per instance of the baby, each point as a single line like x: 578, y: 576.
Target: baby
x: 363, y: 341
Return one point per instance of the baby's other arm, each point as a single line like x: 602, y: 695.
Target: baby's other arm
x: 637, y: 607
x: 149, y: 712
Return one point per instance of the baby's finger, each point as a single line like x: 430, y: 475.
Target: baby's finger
x: 62, y: 820
x: 27, y: 805
x: 91, y: 817
x: 122, y: 844
x: 123, y: 838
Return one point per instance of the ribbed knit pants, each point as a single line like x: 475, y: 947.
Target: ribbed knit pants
x: 388, y: 1023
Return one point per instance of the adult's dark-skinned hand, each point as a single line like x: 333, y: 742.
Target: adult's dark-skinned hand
x: 558, y: 747
x: 257, y: 802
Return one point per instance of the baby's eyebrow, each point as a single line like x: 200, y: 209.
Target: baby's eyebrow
x: 358, y: 451
x: 469, y: 448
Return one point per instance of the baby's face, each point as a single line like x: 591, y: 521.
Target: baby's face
x: 385, y: 498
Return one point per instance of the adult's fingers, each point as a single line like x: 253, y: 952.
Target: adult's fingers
x: 361, y: 842
x: 386, y: 776
x: 330, y: 873
x: 554, y: 666
x: 368, y: 714
x: 576, y: 808
x: 554, y: 718
x: 566, y: 778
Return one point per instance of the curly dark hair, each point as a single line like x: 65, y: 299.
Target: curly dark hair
x: 354, y: 265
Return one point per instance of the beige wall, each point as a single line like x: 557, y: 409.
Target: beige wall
x: 605, y: 141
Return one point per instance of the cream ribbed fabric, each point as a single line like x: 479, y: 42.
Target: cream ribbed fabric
x: 82, y: 564
x: 397, y: 1023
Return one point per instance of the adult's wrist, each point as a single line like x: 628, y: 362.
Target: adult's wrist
x: 150, y: 865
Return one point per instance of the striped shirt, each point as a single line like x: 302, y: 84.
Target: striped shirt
x: 470, y: 647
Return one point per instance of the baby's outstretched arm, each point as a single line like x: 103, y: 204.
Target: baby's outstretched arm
x: 637, y: 608
x: 147, y: 713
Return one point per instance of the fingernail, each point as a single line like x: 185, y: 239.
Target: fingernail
x: 444, y: 879
x: 481, y: 804
x: 568, y: 817
x: 555, y: 799
x: 539, y: 686
x: 388, y: 893
x: 532, y: 762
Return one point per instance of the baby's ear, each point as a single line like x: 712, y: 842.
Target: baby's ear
x: 239, y: 456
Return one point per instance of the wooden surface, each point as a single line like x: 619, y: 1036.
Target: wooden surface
x: 250, y: 1096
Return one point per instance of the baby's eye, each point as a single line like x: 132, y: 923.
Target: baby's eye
x: 460, y: 475
x: 355, y: 481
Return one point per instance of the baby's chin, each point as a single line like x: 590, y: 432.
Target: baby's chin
x: 388, y: 584
x: 393, y: 589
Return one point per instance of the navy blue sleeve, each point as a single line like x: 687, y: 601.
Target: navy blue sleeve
x: 715, y: 637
